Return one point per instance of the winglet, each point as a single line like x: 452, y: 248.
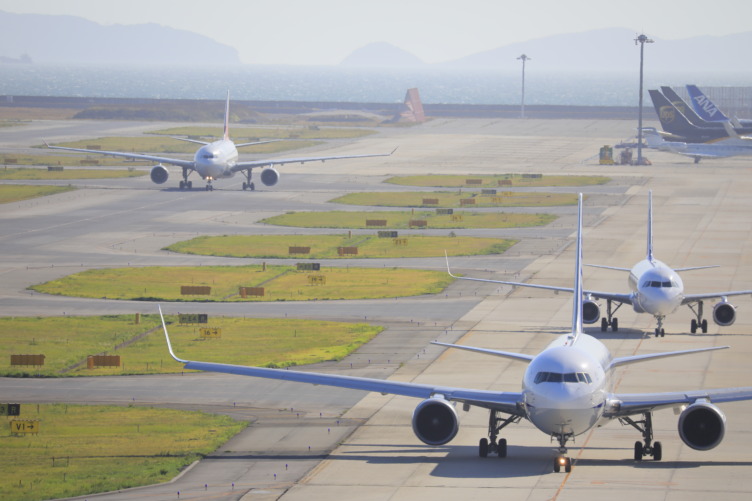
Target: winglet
x: 227, y: 117
x: 446, y: 256
x: 167, y: 337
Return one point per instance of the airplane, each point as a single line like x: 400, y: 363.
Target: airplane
x: 677, y: 127
x: 566, y: 391
x: 655, y: 289
x: 218, y: 160
x: 733, y: 146
x: 708, y: 111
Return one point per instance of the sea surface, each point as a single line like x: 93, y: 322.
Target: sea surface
x: 341, y: 84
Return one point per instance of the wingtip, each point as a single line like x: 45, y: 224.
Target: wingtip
x: 167, y: 337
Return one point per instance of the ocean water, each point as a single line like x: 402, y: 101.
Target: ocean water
x: 333, y: 83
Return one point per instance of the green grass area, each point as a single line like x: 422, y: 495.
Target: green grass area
x: 402, y: 219
x: 246, y: 134
x: 82, y: 450
x: 16, y: 192
x: 56, y: 175
x: 66, y: 342
x: 281, y: 283
x: 496, y: 181
x: 163, y: 145
x: 458, y: 199
x: 326, y: 246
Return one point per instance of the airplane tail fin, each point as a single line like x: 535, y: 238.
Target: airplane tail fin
x: 577, y: 301
x: 227, y: 117
x: 683, y: 107
x: 672, y: 120
x: 704, y: 107
x: 652, y: 138
x: 649, y: 256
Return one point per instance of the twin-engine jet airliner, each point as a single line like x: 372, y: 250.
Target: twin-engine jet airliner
x: 655, y: 289
x: 566, y: 391
x: 218, y: 160
x: 721, y: 148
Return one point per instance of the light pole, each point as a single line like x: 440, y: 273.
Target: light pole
x: 523, y: 58
x: 642, y: 40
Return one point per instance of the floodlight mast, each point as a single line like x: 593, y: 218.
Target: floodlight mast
x: 523, y: 58
x: 642, y: 40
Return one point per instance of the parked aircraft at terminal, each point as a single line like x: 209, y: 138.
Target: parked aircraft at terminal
x: 655, y: 289
x: 217, y: 160
x: 566, y: 391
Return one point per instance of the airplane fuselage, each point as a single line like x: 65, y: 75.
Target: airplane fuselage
x: 215, y: 160
x: 656, y: 288
x: 565, y: 388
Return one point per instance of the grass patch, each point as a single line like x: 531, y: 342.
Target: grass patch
x: 401, y: 220
x: 14, y: 192
x: 281, y: 283
x: 326, y: 246
x: 88, y: 449
x: 497, y: 180
x: 57, y: 175
x: 458, y: 199
x: 66, y: 342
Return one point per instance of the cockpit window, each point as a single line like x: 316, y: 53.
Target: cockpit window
x: 556, y: 377
x: 208, y: 156
x: 658, y: 284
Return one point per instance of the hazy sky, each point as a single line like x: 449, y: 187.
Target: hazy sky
x: 325, y: 31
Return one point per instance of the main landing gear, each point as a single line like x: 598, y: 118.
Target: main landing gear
x: 610, y: 320
x: 495, y: 423
x: 700, y: 323
x: 248, y: 185
x: 185, y: 184
x: 648, y: 447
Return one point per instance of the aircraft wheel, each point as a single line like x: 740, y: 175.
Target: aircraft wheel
x: 483, y: 447
x: 704, y: 326
x: 557, y: 466
x: 615, y: 324
x: 657, y: 451
x: 568, y: 465
x: 182, y: 185
x: 189, y: 185
x: 245, y: 186
x: 604, y: 325
x: 501, y: 448
x: 693, y: 326
x: 252, y: 186
x: 638, y: 451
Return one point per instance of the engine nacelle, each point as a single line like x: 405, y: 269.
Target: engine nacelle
x: 591, y: 311
x: 435, y: 421
x: 159, y: 174
x: 269, y: 176
x: 702, y: 426
x: 724, y: 313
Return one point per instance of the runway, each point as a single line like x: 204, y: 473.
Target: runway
x: 362, y: 446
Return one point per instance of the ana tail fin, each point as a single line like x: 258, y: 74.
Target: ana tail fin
x: 704, y: 107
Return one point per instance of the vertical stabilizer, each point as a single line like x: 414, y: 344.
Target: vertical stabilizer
x: 704, y: 107
x: 577, y: 306
x: 650, y: 227
x: 227, y: 117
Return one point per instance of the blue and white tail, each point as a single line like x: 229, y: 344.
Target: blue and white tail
x: 704, y: 107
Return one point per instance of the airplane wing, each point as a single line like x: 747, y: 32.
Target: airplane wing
x: 136, y: 156
x: 507, y: 402
x: 280, y: 161
x: 693, y: 298
x: 627, y: 404
x: 612, y: 296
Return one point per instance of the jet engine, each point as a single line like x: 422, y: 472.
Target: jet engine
x: 724, y: 313
x: 591, y: 311
x: 435, y: 421
x: 159, y: 174
x: 702, y: 426
x: 269, y: 176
